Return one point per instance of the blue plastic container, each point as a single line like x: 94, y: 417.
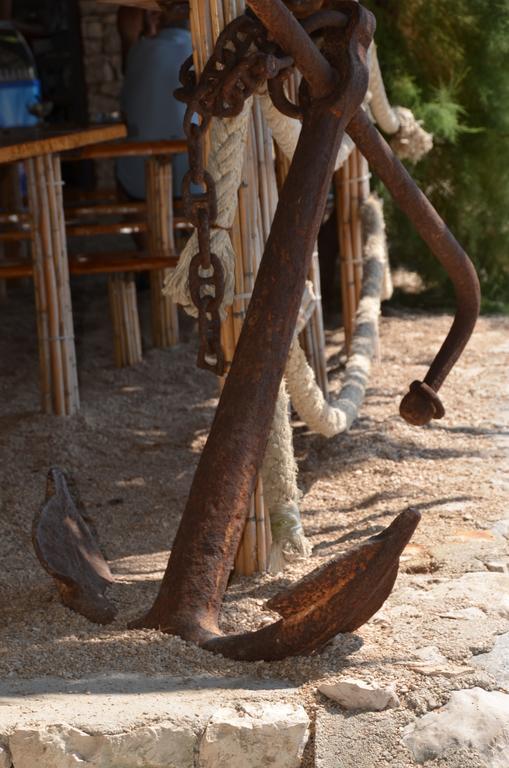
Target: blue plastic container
x: 20, y: 89
x: 16, y: 99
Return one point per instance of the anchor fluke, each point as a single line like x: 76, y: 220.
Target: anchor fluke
x: 335, y: 598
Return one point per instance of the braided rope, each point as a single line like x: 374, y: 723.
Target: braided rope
x: 286, y: 130
x: 410, y: 140
x: 228, y: 140
x: 330, y: 419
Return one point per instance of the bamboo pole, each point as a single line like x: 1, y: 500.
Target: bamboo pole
x: 165, y: 330
x: 127, y: 344
x: 317, y: 329
x: 57, y: 356
x: 342, y: 186
x: 352, y: 190
x: 41, y: 298
x: 249, y: 232
x: 61, y: 263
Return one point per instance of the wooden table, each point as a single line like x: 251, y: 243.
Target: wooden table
x: 40, y: 150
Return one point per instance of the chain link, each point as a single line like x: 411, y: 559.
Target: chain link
x: 242, y: 60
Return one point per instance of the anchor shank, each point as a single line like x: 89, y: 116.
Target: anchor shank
x: 207, y: 540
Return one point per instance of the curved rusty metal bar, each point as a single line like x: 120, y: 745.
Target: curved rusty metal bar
x: 422, y: 403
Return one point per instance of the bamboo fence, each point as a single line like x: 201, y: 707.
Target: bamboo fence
x: 257, y: 202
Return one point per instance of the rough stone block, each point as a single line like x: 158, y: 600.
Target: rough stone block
x: 496, y: 662
x: 255, y: 736
x: 134, y: 721
x: 473, y: 719
x: 5, y: 757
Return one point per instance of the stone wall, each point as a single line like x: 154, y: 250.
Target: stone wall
x: 103, y: 71
x: 103, y: 64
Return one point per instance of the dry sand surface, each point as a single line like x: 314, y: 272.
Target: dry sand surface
x: 132, y: 451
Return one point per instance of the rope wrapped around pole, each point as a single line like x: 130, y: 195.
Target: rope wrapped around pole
x: 228, y: 141
x: 330, y: 419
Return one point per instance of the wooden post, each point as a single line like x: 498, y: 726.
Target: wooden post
x: 57, y: 355
x: 165, y: 329
x: 125, y: 319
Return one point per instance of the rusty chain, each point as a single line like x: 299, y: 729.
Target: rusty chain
x: 242, y: 60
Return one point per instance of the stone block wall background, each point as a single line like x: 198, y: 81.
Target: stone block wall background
x: 103, y: 69
x: 103, y: 63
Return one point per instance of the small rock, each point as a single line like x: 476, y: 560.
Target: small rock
x: 254, y: 735
x: 495, y: 566
x: 473, y: 719
x: 5, y: 757
x: 430, y: 661
x: 496, y: 662
x: 357, y: 694
x: 417, y: 559
x: 430, y: 654
x: 481, y: 589
x: 501, y: 528
x: 466, y: 614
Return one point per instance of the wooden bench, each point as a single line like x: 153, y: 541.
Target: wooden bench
x: 154, y: 218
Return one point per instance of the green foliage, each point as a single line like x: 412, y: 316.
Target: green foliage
x: 448, y: 62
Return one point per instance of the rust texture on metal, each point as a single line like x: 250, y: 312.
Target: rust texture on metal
x: 345, y: 593
x: 67, y: 549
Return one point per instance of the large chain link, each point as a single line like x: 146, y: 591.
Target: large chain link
x: 242, y: 60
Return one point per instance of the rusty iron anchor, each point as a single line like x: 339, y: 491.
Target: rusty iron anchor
x: 343, y: 595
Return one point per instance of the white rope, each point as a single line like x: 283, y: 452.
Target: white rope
x: 411, y: 141
x: 384, y: 115
x: 226, y: 158
x: 279, y: 472
x: 330, y: 419
x: 286, y: 131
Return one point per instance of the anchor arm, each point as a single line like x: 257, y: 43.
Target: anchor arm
x: 422, y: 404
x: 338, y: 597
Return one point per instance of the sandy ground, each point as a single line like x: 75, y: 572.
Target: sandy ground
x: 132, y: 451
